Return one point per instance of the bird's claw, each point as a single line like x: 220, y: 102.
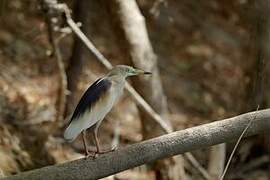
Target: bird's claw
x: 104, y: 151
x: 94, y: 154
x: 91, y: 154
x: 114, y: 148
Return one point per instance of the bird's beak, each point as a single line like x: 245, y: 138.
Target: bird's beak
x: 138, y: 71
x: 149, y: 73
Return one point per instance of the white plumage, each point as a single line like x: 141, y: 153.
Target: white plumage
x: 97, y: 101
x: 96, y: 113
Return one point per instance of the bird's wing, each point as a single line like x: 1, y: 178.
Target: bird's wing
x: 91, y: 96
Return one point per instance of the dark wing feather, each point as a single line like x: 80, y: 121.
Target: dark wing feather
x: 91, y: 96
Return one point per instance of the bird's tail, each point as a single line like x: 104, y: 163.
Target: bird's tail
x: 72, y: 131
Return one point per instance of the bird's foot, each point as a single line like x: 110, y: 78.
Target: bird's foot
x: 104, y: 151
x: 91, y: 154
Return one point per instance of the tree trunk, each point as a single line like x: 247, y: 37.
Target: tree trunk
x: 132, y: 32
x: 259, y: 69
x: 75, y: 66
x: 82, y: 60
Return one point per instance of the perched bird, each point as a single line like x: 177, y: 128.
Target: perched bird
x: 96, y: 102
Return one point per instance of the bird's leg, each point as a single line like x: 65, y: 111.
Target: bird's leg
x: 84, y: 144
x: 96, y: 141
x: 99, y: 151
x: 87, y: 153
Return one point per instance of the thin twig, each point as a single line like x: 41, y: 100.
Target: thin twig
x: 63, y: 79
x: 139, y: 99
x: 237, y: 143
x: 61, y: 101
x: 154, y: 9
x: 197, y: 165
x: 74, y: 27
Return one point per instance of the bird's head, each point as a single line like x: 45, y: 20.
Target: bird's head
x: 125, y: 71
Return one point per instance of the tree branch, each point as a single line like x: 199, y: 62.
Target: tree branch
x: 157, y: 148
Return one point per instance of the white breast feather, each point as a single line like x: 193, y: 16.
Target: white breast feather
x: 97, y: 113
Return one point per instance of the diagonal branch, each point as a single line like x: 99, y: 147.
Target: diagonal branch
x: 157, y: 148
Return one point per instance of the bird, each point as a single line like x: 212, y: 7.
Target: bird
x: 95, y: 104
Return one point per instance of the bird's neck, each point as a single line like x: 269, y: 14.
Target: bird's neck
x: 117, y: 79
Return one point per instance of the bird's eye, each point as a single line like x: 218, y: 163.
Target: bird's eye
x: 130, y: 70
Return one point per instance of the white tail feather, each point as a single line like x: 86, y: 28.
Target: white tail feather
x: 72, y: 131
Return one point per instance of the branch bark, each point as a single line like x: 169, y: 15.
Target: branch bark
x: 153, y: 149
